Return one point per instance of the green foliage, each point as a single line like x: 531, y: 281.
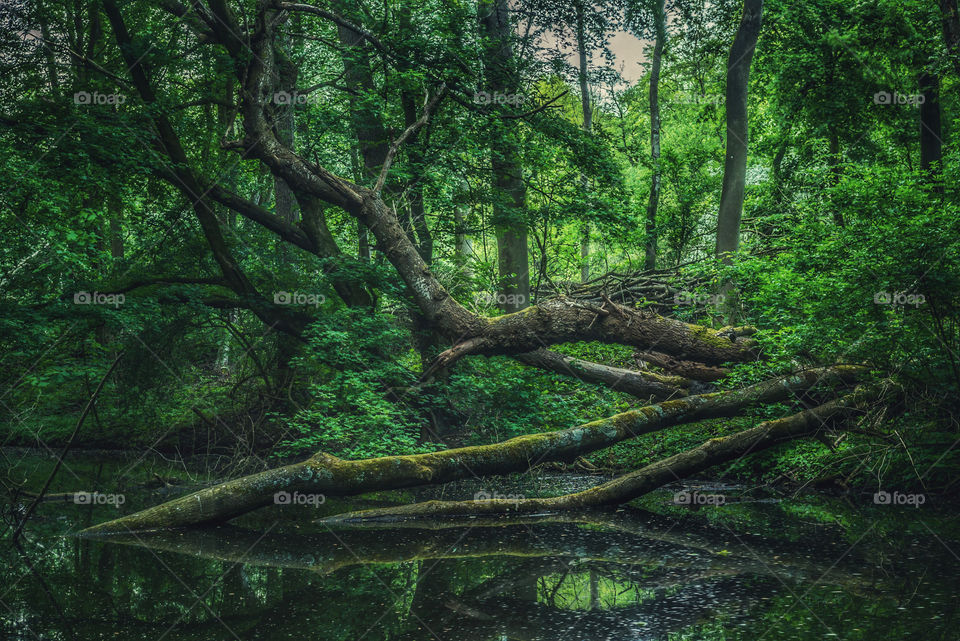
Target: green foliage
x: 359, y: 400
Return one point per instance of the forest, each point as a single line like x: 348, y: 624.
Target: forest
x: 479, y: 319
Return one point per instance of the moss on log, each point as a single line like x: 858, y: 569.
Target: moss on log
x: 328, y: 475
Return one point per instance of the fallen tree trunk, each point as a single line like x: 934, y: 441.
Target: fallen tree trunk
x: 565, y: 320
x: 645, y: 385
x: 630, y: 486
x: 328, y: 475
x: 688, y: 369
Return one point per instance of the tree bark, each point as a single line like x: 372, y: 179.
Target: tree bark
x: 509, y: 206
x: 587, y: 110
x: 735, y: 164
x: 463, y: 247
x: 688, y: 369
x: 659, y: 23
x: 644, y: 385
x: 630, y: 486
x: 836, y: 171
x: 951, y: 31
x: 331, y: 476
x: 286, y: 71
x: 931, y: 152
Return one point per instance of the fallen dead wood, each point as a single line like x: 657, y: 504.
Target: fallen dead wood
x: 328, y: 475
x: 642, y: 384
x: 630, y: 486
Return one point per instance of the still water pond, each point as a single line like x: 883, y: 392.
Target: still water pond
x: 759, y: 567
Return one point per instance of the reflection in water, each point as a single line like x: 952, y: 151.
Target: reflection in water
x: 596, y: 576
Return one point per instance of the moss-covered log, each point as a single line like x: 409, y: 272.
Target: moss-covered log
x: 564, y: 320
x: 328, y: 475
x: 630, y: 486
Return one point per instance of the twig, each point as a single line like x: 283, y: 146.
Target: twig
x: 537, y: 110
x: 66, y: 448
x: 428, y: 105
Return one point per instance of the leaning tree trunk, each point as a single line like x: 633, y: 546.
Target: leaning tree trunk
x: 735, y: 163
x: 328, y: 475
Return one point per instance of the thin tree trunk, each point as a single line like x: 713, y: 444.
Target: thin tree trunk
x: 48, y: 51
x: 836, y: 171
x: 463, y: 248
x: 735, y: 164
x: 115, y: 214
x: 659, y: 21
x: 367, y: 125
x: 594, y: 590
x: 587, y: 110
x: 363, y: 239
x: 951, y: 31
x: 415, y: 152
x: 931, y: 143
